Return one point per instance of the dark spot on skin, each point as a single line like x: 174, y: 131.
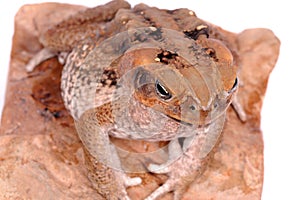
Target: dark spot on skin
x: 109, y: 77
x: 211, y: 53
x: 194, y: 34
x: 156, y: 34
x: 151, y: 23
x: 173, y: 59
x: 140, y: 37
x: 165, y: 56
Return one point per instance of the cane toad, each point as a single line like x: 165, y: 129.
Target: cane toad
x: 143, y: 74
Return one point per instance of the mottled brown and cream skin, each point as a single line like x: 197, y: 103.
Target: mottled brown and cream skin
x: 181, y: 82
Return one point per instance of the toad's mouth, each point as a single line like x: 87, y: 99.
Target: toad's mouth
x: 189, y: 123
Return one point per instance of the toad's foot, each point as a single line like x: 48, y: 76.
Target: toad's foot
x: 182, y: 173
x: 187, y: 160
x: 126, y: 182
x: 239, y: 109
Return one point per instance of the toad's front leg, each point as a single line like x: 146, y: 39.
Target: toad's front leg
x: 190, y: 164
x: 109, y: 182
x: 103, y: 163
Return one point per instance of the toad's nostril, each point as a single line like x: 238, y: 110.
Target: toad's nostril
x: 192, y: 107
x: 215, y: 104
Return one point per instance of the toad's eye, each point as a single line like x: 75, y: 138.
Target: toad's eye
x: 161, y: 91
x: 234, y: 87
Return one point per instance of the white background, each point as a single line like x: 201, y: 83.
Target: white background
x: 280, y: 119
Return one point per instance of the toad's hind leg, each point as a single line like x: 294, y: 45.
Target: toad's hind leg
x: 38, y: 58
x: 90, y: 23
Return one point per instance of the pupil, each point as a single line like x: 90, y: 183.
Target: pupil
x: 235, y: 85
x: 162, y: 91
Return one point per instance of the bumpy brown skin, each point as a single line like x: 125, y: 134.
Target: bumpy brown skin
x: 82, y: 33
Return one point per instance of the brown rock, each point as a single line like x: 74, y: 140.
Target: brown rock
x: 41, y: 156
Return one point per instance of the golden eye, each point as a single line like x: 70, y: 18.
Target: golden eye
x: 161, y: 91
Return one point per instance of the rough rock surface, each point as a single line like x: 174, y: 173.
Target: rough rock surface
x: 41, y: 156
